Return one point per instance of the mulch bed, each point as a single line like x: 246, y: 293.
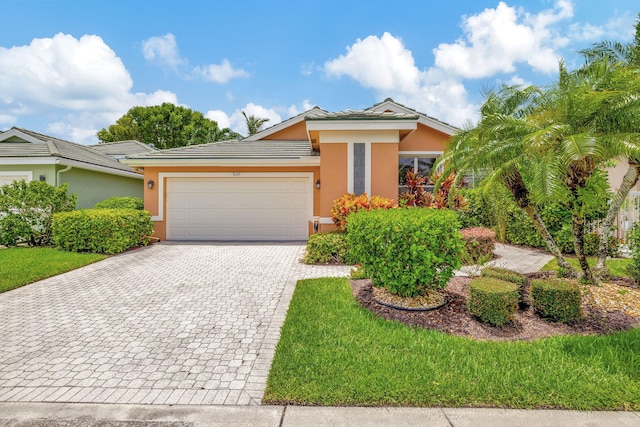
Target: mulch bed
x: 455, y: 319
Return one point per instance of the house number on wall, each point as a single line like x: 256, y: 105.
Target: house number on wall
x: 236, y: 173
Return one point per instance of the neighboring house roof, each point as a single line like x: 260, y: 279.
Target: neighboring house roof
x: 120, y: 149
x: 22, y: 146
x: 363, y: 115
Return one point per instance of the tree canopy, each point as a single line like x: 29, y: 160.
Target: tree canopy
x: 165, y: 126
x: 254, y: 123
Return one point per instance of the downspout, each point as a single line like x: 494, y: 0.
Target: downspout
x: 67, y: 169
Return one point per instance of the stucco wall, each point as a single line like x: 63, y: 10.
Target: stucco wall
x: 296, y: 132
x: 93, y: 187
x: 47, y: 170
x: 384, y: 170
x: 424, y: 139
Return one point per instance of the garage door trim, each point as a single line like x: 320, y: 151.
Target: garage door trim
x: 163, y: 175
x: 26, y: 175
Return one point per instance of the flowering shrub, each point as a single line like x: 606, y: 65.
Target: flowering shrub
x: 445, y: 197
x: 349, y: 203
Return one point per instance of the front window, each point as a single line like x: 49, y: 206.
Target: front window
x: 422, y: 165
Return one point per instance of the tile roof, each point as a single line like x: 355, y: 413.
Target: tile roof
x: 363, y: 115
x: 54, y: 147
x: 122, y: 148
x: 390, y: 101
x: 265, y: 149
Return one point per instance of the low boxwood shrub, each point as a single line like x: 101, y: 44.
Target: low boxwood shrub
x: 479, y: 243
x: 556, y: 299
x: 493, y: 300
x: 408, y: 251
x: 327, y: 248
x: 121, y: 203
x: 105, y: 231
x: 509, y: 276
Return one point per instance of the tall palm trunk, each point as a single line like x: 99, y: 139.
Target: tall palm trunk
x: 577, y: 226
x: 630, y: 179
x: 516, y: 186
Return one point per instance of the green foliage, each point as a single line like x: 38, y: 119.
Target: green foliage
x: 254, y: 123
x: 333, y: 352
x: 479, y: 243
x: 26, y: 210
x: 493, y: 300
x: 504, y: 274
x: 349, y: 203
x: 556, y: 299
x: 165, y: 126
x: 408, y: 251
x: 564, y: 239
x: 327, y: 248
x: 121, y: 203
x: 104, y: 231
x: 633, y: 236
x: 509, y: 276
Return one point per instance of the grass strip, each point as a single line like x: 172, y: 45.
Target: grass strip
x: 334, y: 352
x: 20, y: 266
x: 617, y: 266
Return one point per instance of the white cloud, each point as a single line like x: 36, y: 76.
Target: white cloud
x: 620, y: 27
x: 497, y: 39
x: 237, y: 123
x: 80, y: 79
x: 162, y: 49
x: 386, y: 66
x: 220, y: 73
x: 380, y: 63
x: 7, y: 119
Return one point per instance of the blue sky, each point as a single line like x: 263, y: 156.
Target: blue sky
x: 70, y: 68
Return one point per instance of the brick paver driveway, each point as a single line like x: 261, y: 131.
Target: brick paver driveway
x: 166, y: 324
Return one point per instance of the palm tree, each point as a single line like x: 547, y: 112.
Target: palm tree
x: 621, y: 117
x: 496, y: 147
x: 254, y: 123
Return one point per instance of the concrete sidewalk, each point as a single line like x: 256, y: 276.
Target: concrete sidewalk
x: 516, y: 258
x: 93, y: 415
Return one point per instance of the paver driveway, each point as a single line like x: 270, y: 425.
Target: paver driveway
x: 166, y: 324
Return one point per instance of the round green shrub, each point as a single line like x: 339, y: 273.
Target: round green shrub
x: 492, y: 300
x: 121, y: 203
x: 408, y: 251
x: 556, y: 299
x: 509, y: 276
x: 327, y: 248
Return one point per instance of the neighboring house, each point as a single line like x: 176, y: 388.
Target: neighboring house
x: 280, y: 182
x: 118, y: 150
x: 91, y: 174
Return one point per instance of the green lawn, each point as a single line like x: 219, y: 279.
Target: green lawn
x: 618, y: 266
x: 333, y: 352
x: 20, y: 266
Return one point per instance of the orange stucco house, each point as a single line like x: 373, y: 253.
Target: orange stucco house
x: 280, y: 183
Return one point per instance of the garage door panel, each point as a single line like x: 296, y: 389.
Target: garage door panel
x: 233, y: 208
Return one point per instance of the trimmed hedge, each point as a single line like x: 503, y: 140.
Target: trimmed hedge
x: 556, y: 299
x: 408, y: 251
x: 479, y: 243
x: 121, y: 203
x: 492, y: 300
x: 509, y: 276
x: 105, y: 231
x: 327, y: 248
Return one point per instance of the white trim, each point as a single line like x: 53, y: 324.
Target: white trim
x: 367, y: 136
x: 15, y: 132
x: 361, y: 125
x: 67, y: 162
x: 326, y: 220
x: 29, y: 174
x: 160, y: 192
x: 420, y: 153
x: 301, y: 161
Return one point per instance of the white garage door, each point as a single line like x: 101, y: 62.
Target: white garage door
x: 9, y: 177
x: 238, y: 208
